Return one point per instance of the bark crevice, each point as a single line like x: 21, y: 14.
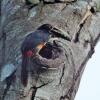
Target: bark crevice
x: 55, y: 73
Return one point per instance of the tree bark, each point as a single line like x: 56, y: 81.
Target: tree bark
x: 60, y: 75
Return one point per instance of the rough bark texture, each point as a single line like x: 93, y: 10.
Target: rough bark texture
x: 61, y: 80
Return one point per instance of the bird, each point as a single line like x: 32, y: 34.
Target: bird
x: 33, y: 43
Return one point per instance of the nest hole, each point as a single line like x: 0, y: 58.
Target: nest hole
x: 50, y: 52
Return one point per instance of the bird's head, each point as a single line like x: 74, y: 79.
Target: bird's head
x: 46, y: 27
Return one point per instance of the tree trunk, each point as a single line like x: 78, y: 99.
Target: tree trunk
x: 60, y: 75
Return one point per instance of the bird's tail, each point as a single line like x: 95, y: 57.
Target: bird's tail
x: 24, y: 71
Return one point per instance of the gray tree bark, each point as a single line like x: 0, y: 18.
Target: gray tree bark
x: 60, y: 81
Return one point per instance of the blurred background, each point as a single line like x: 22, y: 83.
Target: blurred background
x: 90, y: 83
